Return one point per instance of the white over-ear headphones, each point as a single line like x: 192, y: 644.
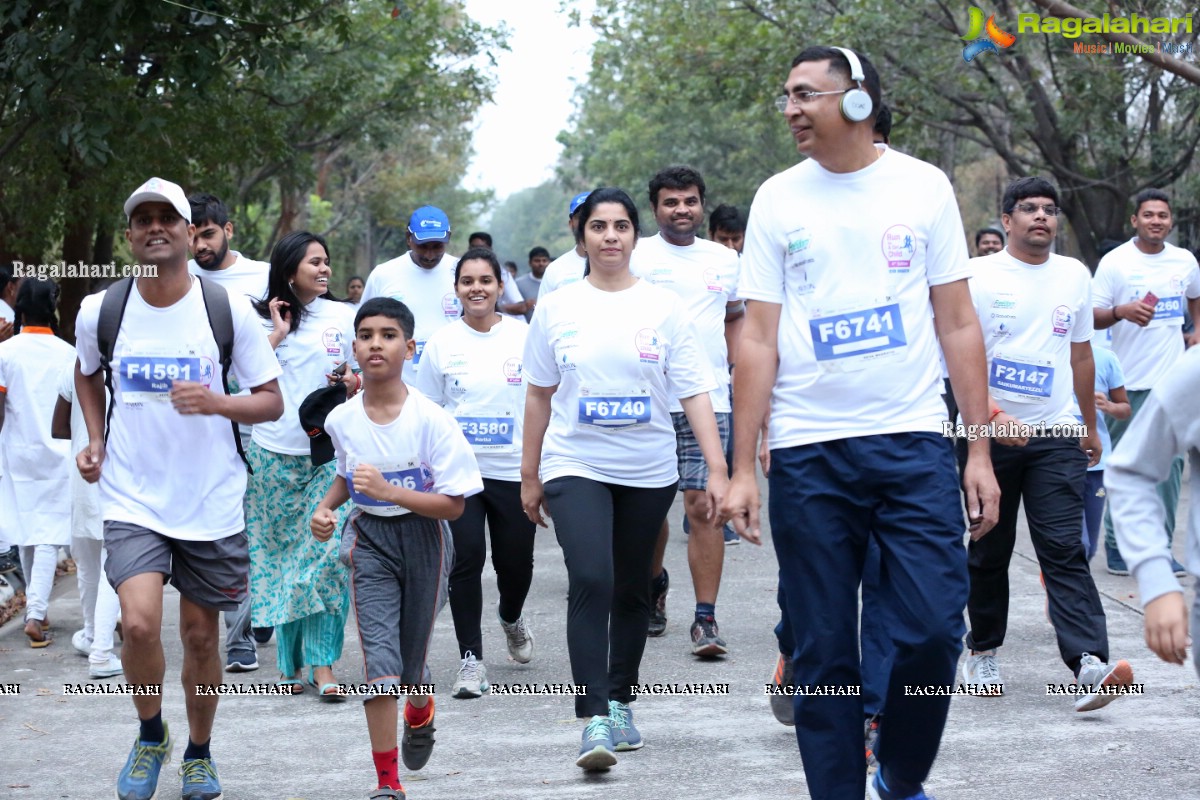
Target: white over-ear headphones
x: 856, y: 104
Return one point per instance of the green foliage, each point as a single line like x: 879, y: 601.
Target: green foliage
x: 534, y: 217
x: 691, y: 81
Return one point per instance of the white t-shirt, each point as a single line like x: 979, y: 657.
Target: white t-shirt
x: 1030, y: 315
x: 35, y: 465
x: 704, y: 275
x: 851, y: 258
x: 563, y: 271
x: 177, y: 475
x: 421, y: 449
x: 86, y: 522
x: 510, y: 295
x: 618, y: 359
x: 428, y: 293
x: 325, y: 339
x: 244, y: 276
x: 6, y: 312
x: 477, y: 378
x: 1127, y: 274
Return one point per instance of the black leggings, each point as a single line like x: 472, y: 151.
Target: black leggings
x: 512, y: 558
x: 607, y: 533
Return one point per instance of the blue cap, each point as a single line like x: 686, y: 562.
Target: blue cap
x: 429, y: 224
x: 576, y: 202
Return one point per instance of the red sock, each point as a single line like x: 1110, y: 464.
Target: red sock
x: 416, y: 717
x: 387, y: 768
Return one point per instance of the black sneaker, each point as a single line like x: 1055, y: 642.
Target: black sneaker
x: 417, y: 745
x: 263, y: 635
x: 706, y: 639
x: 658, y: 606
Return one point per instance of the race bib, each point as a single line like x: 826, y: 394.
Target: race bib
x: 1021, y: 377
x: 1168, y: 311
x: 420, y: 348
x: 489, y: 429
x: 613, y: 410
x: 861, y: 336
x: 408, y: 473
x: 146, y: 374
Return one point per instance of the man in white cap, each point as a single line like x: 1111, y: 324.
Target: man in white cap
x: 167, y: 514
x: 422, y: 279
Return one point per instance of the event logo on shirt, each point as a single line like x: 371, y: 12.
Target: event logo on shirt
x: 899, y: 246
x: 207, y: 370
x: 426, y: 477
x: 332, y: 339
x: 1176, y: 284
x: 1061, y: 320
x: 648, y: 345
x: 451, y: 308
x: 712, y: 280
x: 512, y: 370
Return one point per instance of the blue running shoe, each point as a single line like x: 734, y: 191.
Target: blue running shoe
x: 139, y: 777
x: 876, y: 790
x: 596, y: 751
x: 200, y: 780
x: 625, y: 735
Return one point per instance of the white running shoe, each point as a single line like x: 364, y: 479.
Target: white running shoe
x: 519, y: 639
x: 82, y: 642
x: 1095, y: 675
x: 982, y: 673
x: 472, y: 679
x: 108, y: 668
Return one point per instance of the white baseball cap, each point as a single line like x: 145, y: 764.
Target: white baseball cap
x: 158, y: 190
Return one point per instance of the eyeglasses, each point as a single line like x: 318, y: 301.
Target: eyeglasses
x: 1032, y: 208
x: 801, y: 98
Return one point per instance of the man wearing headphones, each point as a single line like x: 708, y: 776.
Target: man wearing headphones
x: 850, y: 284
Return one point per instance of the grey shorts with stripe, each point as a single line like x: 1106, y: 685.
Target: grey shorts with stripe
x: 399, y: 578
x: 693, y: 471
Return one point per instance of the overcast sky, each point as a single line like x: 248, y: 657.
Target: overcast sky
x: 514, y: 142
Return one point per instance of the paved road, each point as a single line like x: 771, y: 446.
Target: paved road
x: 1025, y: 745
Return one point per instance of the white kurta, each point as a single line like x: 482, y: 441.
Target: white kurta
x: 35, y: 493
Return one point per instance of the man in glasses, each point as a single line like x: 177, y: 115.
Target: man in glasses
x: 1139, y: 291
x: 843, y: 275
x: 1037, y: 325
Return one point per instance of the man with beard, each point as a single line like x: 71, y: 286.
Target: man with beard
x: 237, y: 275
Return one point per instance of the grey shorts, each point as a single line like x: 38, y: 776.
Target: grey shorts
x: 399, y: 581
x: 212, y: 574
x: 693, y: 471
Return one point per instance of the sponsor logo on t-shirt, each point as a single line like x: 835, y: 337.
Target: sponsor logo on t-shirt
x: 1176, y: 284
x: 450, y: 306
x: 512, y: 370
x: 1061, y: 320
x: 712, y: 280
x: 1004, y: 304
x: 565, y: 364
x: 899, y: 246
x: 332, y: 339
x: 798, y: 241
x: 1002, y: 330
x: 648, y: 346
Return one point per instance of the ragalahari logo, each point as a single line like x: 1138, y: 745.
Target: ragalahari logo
x: 995, y: 38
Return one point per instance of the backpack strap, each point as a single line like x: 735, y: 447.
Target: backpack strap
x: 220, y: 319
x: 112, y: 311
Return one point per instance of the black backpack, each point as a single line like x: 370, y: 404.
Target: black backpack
x: 220, y: 319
